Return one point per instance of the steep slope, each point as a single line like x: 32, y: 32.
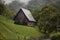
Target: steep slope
x: 7, y: 34
x: 15, y: 5
x: 11, y: 31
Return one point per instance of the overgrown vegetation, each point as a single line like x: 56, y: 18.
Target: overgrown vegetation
x: 48, y: 18
x: 10, y: 31
x: 1, y: 8
x: 6, y: 11
x: 55, y: 36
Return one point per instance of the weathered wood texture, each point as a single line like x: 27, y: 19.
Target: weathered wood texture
x: 21, y: 18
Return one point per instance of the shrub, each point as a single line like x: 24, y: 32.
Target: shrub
x: 55, y: 36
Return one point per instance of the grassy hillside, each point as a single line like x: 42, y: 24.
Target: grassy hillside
x: 9, y: 30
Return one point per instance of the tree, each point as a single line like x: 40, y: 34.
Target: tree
x: 6, y: 11
x: 49, y: 19
x: 1, y: 8
x: 35, y: 13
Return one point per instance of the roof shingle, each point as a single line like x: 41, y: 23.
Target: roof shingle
x: 28, y: 14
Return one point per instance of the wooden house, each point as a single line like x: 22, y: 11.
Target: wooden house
x: 24, y: 17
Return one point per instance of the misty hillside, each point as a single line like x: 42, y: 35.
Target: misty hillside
x: 41, y: 3
x: 38, y: 3
x: 15, y: 5
x: 46, y: 27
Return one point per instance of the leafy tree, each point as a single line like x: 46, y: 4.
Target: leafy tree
x: 6, y: 11
x: 1, y: 8
x: 49, y: 19
x: 35, y: 13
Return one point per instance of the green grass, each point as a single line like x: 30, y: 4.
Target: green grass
x: 10, y: 30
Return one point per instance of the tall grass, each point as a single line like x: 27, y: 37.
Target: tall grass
x: 11, y: 30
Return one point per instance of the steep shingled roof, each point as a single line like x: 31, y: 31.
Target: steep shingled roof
x: 28, y: 14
